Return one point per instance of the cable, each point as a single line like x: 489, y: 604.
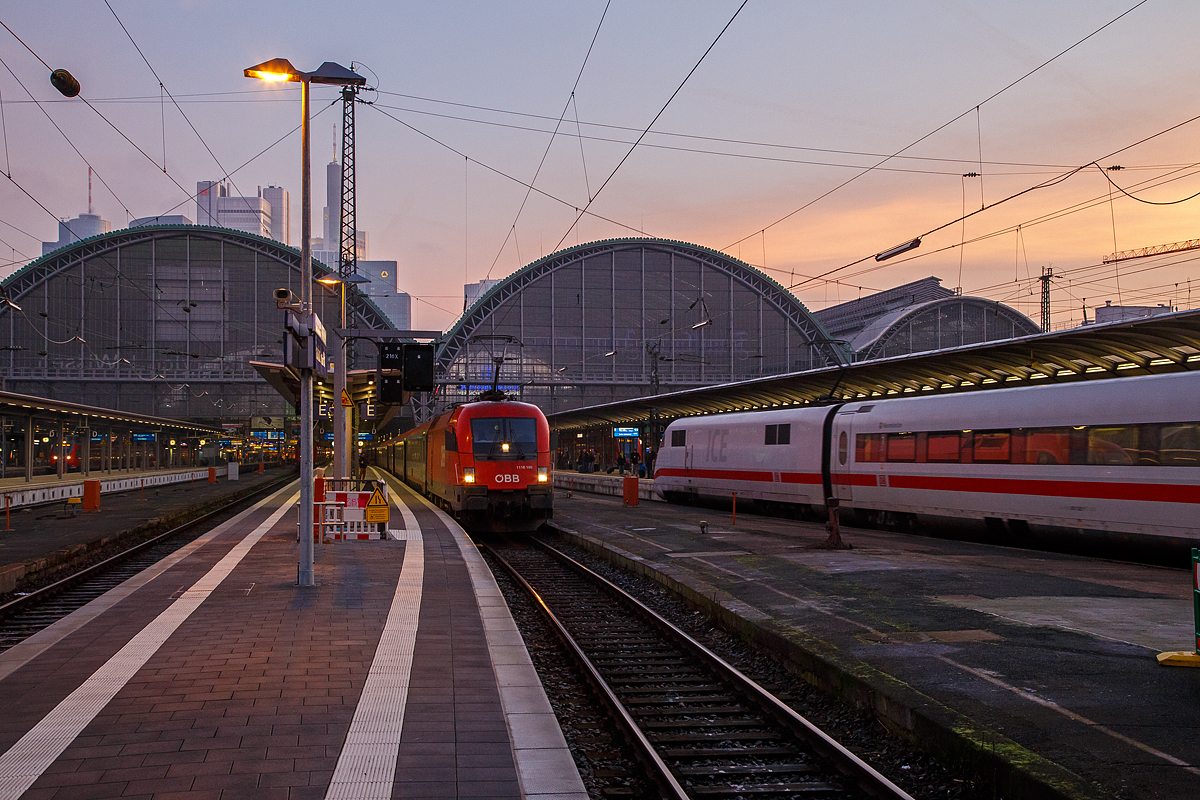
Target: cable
x: 177, y: 106
x: 678, y: 89
x: 64, y: 135
x: 944, y: 125
x: 550, y: 143
x: 499, y: 172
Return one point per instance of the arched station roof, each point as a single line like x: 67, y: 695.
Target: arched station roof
x: 940, y: 324
x: 775, y: 294
x: 623, y: 317
x: 160, y: 320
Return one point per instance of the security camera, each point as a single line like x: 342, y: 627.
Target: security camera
x: 285, y: 298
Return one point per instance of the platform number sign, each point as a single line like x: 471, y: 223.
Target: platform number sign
x: 391, y: 356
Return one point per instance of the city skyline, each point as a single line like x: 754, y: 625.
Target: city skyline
x: 791, y: 102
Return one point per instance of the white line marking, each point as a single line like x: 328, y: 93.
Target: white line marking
x: 26, y: 760
x: 366, y: 767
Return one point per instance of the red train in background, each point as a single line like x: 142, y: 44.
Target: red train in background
x: 487, y: 463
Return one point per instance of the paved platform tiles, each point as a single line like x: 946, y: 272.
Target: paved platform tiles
x: 40, y: 531
x: 1047, y: 660
x: 212, y: 675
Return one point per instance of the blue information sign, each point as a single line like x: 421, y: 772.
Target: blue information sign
x: 625, y: 433
x: 143, y: 437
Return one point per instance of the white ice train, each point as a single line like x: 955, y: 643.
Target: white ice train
x: 1119, y: 455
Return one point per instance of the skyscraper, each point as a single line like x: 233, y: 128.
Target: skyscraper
x: 257, y: 215
x: 281, y: 213
x: 71, y: 231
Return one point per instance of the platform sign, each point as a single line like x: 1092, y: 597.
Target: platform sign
x: 625, y: 433
x: 329, y: 436
x: 366, y: 410
x: 377, y: 508
x: 143, y: 437
x: 267, y: 434
x: 366, y: 436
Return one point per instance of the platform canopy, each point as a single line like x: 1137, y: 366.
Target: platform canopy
x: 1153, y: 345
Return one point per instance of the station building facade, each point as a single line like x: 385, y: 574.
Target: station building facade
x: 161, y: 320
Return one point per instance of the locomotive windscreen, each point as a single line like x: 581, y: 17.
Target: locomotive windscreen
x: 504, y: 438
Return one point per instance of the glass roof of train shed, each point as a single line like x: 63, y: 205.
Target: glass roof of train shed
x: 1160, y: 344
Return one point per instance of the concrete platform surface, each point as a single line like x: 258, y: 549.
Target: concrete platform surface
x: 213, y: 675
x: 41, y: 536
x: 1039, y: 662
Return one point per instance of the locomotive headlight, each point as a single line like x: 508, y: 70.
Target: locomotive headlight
x: 504, y: 447
x: 543, y: 474
x: 468, y: 474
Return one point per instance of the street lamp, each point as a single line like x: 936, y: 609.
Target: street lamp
x: 341, y: 428
x: 329, y: 73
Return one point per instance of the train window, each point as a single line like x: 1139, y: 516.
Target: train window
x: 943, y: 446
x: 778, y: 434
x: 902, y: 447
x: 1112, y: 446
x: 993, y: 446
x: 504, y: 438
x: 1181, y: 445
x: 843, y: 448
x: 868, y: 447
x: 451, y: 441
x: 1048, y: 446
x: 678, y: 438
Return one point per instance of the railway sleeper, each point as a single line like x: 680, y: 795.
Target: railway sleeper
x: 771, y: 789
x: 721, y: 736
x: 756, y: 751
x: 791, y: 768
x: 662, y: 725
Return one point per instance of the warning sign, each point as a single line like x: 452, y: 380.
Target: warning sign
x: 346, y: 401
x: 377, y: 508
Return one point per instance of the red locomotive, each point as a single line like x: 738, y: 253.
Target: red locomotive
x: 487, y: 463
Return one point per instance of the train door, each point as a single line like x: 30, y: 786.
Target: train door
x: 839, y: 455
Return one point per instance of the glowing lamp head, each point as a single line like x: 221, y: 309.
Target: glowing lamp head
x: 276, y: 70
x: 543, y: 474
x: 469, y: 475
x: 504, y: 446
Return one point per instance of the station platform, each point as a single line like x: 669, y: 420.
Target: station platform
x: 1033, y: 669
x: 36, y: 541
x: 213, y: 675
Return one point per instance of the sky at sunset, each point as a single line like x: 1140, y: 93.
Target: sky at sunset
x: 763, y: 153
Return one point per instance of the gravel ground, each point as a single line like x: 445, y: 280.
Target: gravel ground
x: 859, y: 731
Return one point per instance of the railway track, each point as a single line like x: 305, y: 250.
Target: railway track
x: 702, y: 728
x: 25, y: 615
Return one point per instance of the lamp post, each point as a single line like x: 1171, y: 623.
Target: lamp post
x: 329, y: 73
x: 341, y: 428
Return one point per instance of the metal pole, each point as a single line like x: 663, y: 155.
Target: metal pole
x: 304, y: 572
x: 340, y: 456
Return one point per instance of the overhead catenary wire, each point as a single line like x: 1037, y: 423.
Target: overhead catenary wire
x: 498, y: 171
x: 546, y: 152
x: 633, y: 147
x: 948, y: 123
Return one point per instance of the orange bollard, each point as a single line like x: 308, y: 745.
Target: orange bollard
x: 212, y: 474
x: 91, y: 495
x: 734, y: 522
